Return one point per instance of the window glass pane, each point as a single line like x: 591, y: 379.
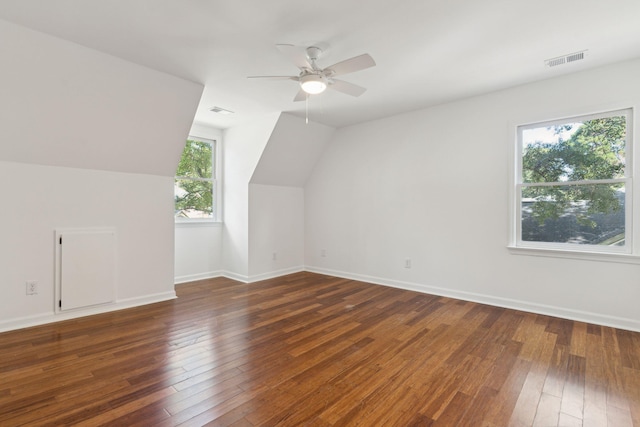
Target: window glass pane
x: 194, y: 199
x: 196, y: 161
x: 580, y: 214
x: 575, y: 151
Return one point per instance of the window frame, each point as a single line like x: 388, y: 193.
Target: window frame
x: 215, y: 184
x: 516, y: 245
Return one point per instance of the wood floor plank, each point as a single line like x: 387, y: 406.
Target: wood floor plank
x: 313, y: 350
x: 548, y: 411
x: 632, y: 384
x: 572, y: 403
x: 595, y: 406
x: 527, y: 403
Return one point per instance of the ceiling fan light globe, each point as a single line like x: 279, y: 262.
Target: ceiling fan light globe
x: 314, y: 88
x: 313, y: 84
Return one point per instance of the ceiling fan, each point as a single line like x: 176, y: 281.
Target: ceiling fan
x: 313, y: 79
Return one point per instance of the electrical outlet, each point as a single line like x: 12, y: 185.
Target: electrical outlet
x: 323, y: 253
x: 275, y: 256
x: 407, y: 263
x: 32, y: 287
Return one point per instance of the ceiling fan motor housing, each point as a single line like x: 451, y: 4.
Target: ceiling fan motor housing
x: 313, y: 53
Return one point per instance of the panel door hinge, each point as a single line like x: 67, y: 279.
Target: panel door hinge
x: 60, y: 239
x: 60, y: 303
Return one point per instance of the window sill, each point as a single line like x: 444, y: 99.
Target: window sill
x: 197, y: 223
x: 581, y: 255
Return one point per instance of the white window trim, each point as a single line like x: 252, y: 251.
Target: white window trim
x: 189, y: 223
x: 630, y: 254
x: 217, y: 193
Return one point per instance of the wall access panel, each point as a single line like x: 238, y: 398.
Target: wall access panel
x: 85, y: 268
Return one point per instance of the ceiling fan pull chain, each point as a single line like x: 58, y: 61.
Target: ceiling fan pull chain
x: 306, y: 115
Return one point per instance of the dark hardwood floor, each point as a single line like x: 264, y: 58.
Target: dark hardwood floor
x: 313, y: 350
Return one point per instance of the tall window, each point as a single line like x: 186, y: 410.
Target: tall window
x: 195, y: 184
x: 573, y: 184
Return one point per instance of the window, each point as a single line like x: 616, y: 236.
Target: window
x: 573, y: 184
x: 195, y: 183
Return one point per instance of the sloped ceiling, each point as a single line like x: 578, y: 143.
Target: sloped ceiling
x: 427, y: 51
x: 291, y: 152
x: 62, y: 104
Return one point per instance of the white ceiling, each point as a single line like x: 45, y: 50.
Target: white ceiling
x: 427, y: 51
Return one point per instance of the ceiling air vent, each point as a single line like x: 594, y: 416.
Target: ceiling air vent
x: 555, y: 61
x: 565, y: 59
x: 575, y: 57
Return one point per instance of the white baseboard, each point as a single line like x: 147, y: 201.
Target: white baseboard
x: 235, y: 276
x: 276, y: 273
x: 555, y: 311
x: 200, y: 276
x: 239, y: 277
x: 44, y: 318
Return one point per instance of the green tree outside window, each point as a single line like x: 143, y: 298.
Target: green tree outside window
x: 573, y: 188
x: 194, y: 182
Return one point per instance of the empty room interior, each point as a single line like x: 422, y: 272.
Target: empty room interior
x: 413, y: 213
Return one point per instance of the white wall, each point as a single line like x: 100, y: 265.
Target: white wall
x: 243, y: 146
x: 39, y: 199
x: 198, y: 246
x: 276, y: 196
x: 198, y: 251
x: 86, y: 140
x: 62, y: 104
x: 294, y: 148
x: 432, y: 186
x: 276, y: 226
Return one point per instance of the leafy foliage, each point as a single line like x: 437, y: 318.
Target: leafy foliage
x: 196, y: 160
x: 594, y: 151
x: 194, y: 185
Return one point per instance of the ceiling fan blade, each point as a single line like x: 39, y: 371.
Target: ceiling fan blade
x: 356, y: 63
x: 301, y: 96
x: 346, y: 87
x: 274, y: 77
x: 296, y: 55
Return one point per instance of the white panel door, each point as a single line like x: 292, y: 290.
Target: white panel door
x: 87, y: 263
